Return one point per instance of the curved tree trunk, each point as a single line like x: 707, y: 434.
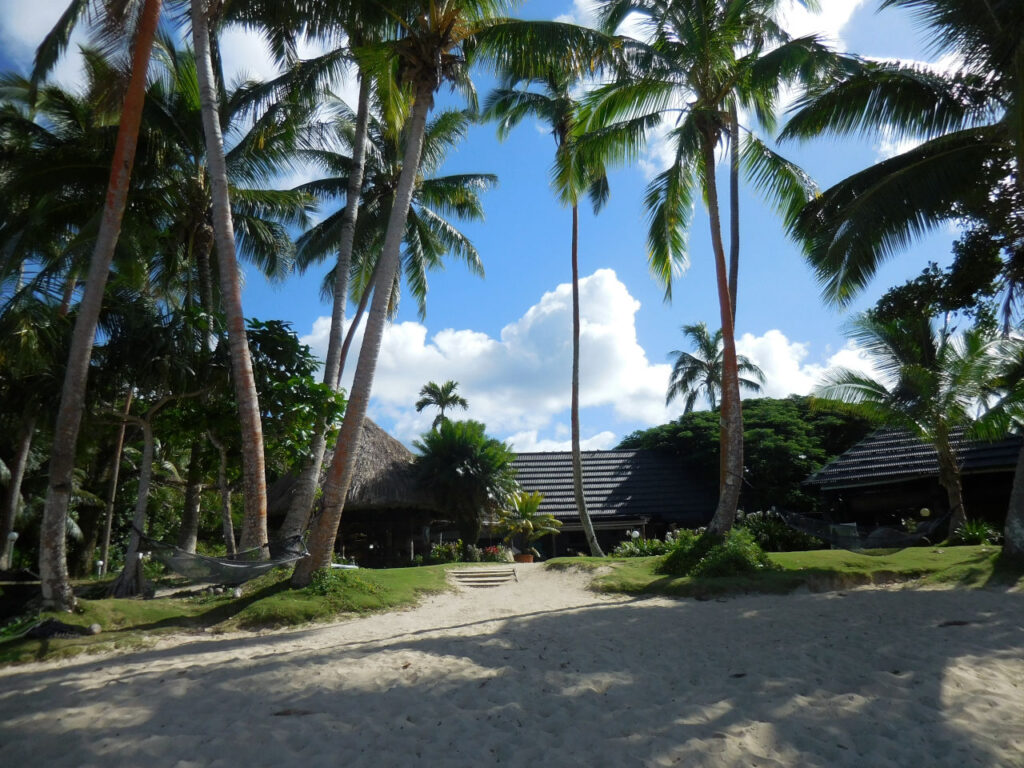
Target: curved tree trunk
x: 734, y: 207
x: 731, y: 467
x: 254, y: 526
x: 225, y: 495
x: 574, y: 410
x: 9, y: 510
x: 1013, y: 531
x: 949, y: 479
x: 53, y: 567
x: 339, y: 476
x: 129, y: 582
x: 304, y: 493
x: 364, y: 301
x: 115, y: 472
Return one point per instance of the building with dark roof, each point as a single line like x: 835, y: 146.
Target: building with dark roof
x: 891, y: 474
x: 625, y: 490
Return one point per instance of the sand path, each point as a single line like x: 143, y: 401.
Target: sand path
x: 545, y: 672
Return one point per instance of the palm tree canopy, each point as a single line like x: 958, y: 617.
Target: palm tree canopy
x: 701, y: 370
x: 967, y: 129
x: 441, y: 396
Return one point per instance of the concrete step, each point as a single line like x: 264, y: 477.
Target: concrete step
x: 483, y: 577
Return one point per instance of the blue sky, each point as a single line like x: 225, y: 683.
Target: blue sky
x: 506, y: 338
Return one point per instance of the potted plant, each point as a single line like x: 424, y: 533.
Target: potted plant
x: 525, y: 520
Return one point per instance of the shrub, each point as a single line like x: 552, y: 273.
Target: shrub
x: 446, y: 552
x: 738, y: 553
x: 977, y: 532
x: 472, y: 553
x: 683, y: 538
x: 772, y: 534
x: 641, y: 548
x: 497, y: 554
x: 328, y: 582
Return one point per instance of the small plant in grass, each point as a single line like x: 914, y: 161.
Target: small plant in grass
x: 977, y: 532
x: 773, y: 535
x: 328, y: 582
x: 738, y: 553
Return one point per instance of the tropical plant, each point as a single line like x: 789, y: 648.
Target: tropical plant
x: 700, y: 59
x: 977, y: 532
x: 930, y: 381
x: 442, y: 397
x: 523, y: 519
x: 469, y: 473
x: 551, y: 101
x: 701, y: 370
x: 436, y: 43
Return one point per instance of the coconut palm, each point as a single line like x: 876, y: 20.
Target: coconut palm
x: 550, y: 100
x: 430, y: 234
x: 700, y: 59
x: 700, y: 371
x: 437, y: 40
x: 442, y: 397
x: 929, y: 382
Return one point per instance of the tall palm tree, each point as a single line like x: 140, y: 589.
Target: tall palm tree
x: 437, y: 38
x: 699, y: 60
x: 701, y: 370
x: 552, y: 102
x: 931, y: 381
x: 440, y: 396
x: 430, y: 234
x: 53, y: 569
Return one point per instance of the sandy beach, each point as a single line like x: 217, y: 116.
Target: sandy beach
x: 546, y: 672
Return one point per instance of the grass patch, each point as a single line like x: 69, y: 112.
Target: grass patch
x: 267, y: 602
x: 818, y: 570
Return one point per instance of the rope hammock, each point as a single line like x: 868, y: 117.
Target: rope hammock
x: 230, y: 570
x: 852, y: 537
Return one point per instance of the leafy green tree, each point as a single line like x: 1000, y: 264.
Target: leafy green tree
x: 699, y: 60
x: 470, y: 473
x: 787, y: 440
x: 440, y: 396
x: 930, y: 382
x: 701, y: 370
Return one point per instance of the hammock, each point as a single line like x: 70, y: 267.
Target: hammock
x: 852, y: 537
x: 231, y: 570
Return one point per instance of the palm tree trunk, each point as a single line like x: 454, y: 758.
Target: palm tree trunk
x: 254, y: 526
x: 13, y: 494
x: 574, y: 410
x: 339, y: 476
x: 731, y: 467
x: 188, y: 535
x: 53, y: 567
x: 1013, y: 531
x: 364, y: 300
x: 304, y: 493
x: 225, y: 494
x: 115, y: 472
x: 734, y: 207
x: 949, y: 479
x: 128, y: 583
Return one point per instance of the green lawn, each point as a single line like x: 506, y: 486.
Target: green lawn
x: 267, y: 602
x: 817, y: 570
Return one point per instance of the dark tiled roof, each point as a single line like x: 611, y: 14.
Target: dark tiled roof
x: 631, y: 484
x: 891, y: 456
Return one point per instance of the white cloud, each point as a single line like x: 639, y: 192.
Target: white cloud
x: 785, y: 364
x: 827, y: 24
x: 527, y: 441
x: 518, y: 384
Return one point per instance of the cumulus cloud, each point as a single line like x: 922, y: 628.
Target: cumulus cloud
x: 518, y: 383
x: 786, y: 366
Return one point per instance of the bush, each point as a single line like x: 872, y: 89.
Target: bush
x: 472, y: 553
x: 641, y: 548
x: 977, y: 532
x: 772, y: 534
x: 737, y: 554
x: 328, y: 582
x: 446, y: 552
x: 497, y: 554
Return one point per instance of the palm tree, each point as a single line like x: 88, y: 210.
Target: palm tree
x: 53, y: 569
x: 436, y: 42
x: 554, y: 104
x: 931, y: 381
x: 701, y: 370
x: 441, y: 397
x: 701, y: 59
x: 429, y: 236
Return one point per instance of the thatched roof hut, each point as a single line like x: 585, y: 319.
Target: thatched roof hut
x: 385, y: 478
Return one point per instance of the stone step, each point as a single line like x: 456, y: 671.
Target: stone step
x: 484, y: 577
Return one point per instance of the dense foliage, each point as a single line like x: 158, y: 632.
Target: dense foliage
x: 785, y: 440
x: 734, y: 555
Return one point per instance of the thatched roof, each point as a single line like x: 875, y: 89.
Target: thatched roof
x: 385, y: 477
